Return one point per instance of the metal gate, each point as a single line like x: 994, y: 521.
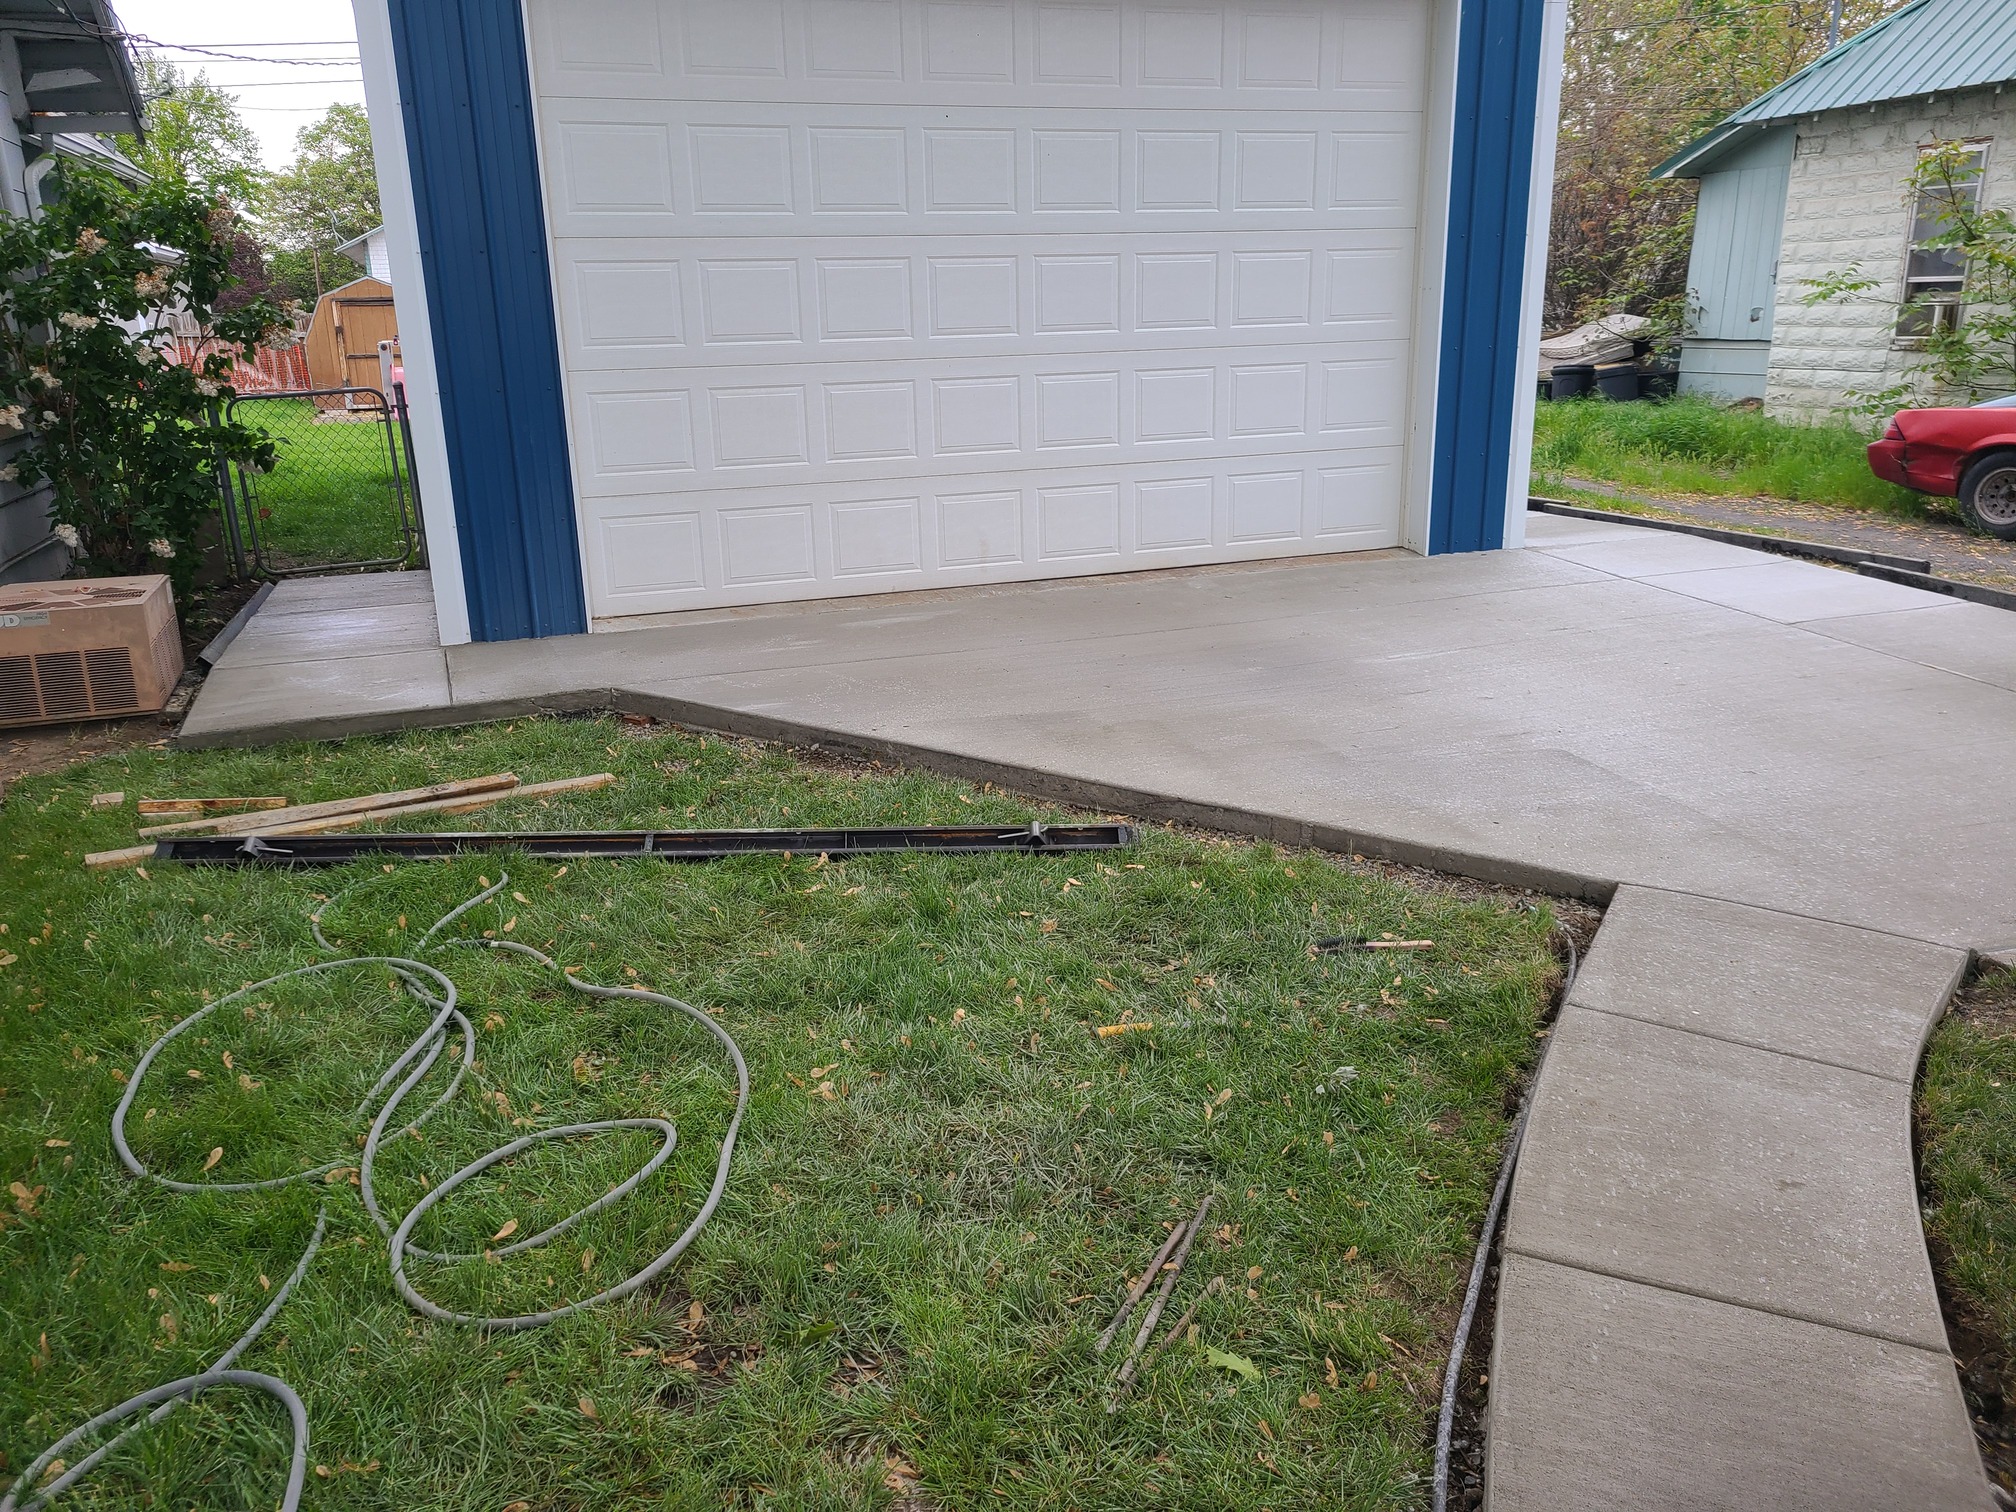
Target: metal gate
x: 340, y: 497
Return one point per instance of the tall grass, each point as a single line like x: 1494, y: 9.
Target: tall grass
x: 1693, y: 446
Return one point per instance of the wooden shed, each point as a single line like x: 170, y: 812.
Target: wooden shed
x: 343, y: 339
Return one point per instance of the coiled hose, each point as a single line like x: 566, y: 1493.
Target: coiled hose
x: 436, y: 991
x: 1445, y: 1423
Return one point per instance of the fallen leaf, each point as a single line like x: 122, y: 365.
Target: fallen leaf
x: 1236, y: 1363
x: 587, y: 1261
x: 8, y: 958
x: 1371, y: 1380
x: 1049, y: 926
x: 510, y: 1228
x: 176, y: 1265
x: 55, y: 1144
x: 213, y: 1157
x: 1330, y: 1373
x: 1309, y: 1401
x: 518, y: 1506
x: 587, y: 1406
x: 1267, y: 1428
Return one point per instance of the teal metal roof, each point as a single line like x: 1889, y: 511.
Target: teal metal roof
x: 1923, y: 48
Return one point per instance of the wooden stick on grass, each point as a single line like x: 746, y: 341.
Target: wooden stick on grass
x: 245, y: 824
x: 1217, y: 1285
x: 1139, y: 1289
x: 1162, y: 1297
x: 462, y: 805
x: 134, y: 855
x: 206, y: 805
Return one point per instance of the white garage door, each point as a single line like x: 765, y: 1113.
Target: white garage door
x: 863, y: 295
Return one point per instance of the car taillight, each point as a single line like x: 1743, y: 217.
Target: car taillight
x: 1896, y: 431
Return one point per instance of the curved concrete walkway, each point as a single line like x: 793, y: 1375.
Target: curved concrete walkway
x: 1793, y: 781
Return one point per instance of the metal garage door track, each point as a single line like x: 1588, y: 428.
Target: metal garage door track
x: 1794, y: 782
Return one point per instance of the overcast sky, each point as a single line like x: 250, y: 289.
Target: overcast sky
x: 277, y: 97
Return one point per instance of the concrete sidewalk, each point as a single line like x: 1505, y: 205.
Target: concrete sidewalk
x: 1716, y: 1292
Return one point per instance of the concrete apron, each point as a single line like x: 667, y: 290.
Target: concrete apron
x: 1715, y: 1289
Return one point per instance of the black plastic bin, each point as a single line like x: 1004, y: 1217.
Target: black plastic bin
x: 1658, y: 382
x: 1573, y: 379
x: 1617, y: 380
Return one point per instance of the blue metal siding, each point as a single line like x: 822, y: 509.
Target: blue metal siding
x: 467, y: 97
x: 1490, y: 188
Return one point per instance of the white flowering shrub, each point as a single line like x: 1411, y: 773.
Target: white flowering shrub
x: 130, y: 444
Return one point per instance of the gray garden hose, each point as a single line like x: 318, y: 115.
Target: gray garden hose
x: 407, y: 1070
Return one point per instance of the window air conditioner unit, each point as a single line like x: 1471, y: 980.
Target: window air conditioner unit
x: 86, y: 650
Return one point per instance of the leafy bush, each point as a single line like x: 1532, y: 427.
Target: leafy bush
x: 129, y: 442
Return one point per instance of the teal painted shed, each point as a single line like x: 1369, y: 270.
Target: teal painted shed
x: 1923, y: 50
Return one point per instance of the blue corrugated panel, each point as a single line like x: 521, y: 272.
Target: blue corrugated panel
x: 1926, y: 47
x: 467, y: 98
x: 1484, y: 277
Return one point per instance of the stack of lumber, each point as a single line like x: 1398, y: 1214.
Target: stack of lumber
x: 277, y: 817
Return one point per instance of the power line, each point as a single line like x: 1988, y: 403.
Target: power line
x: 226, y: 86
x: 211, y: 52
x: 332, y: 42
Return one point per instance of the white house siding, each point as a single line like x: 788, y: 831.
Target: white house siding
x: 860, y: 295
x: 1846, y: 205
x: 28, y: 553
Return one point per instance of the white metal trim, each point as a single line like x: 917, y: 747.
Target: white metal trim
x: 1438, y: 147
x: 1539, y: 217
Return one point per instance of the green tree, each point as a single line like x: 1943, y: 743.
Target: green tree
x: 123, y: 437
x: 1642, y: 79
x: 326, y: 196
x: 193, y: 131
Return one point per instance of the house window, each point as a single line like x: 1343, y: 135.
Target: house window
x: 1936, y: 277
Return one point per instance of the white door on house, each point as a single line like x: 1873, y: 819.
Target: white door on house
x: 866, y: 295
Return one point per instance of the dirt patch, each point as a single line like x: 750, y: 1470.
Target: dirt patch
x: 51, y: 748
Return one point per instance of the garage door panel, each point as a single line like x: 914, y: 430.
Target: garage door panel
x: 629, y: 303
x: 1364, y: 54
x: 754, y: 426
x: 865, y: 295
x: 696, y: 548
x: 677, y: 168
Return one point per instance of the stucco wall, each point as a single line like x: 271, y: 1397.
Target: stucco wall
x: 1846, y: 204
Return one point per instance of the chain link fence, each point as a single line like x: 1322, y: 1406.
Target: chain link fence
x: 340, y: 496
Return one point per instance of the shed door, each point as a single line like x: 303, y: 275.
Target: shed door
x: 864, y: 295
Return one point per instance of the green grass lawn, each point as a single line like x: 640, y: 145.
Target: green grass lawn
x: 329, y: 499
x: 944, y: 1177
x: 1967, y: 1157
x: 1692, y: 446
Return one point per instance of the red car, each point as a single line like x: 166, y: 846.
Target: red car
x: 1963, y: 454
